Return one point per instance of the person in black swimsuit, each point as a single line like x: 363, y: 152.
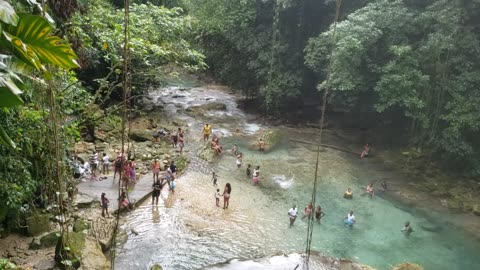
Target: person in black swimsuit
x: 157, y: 187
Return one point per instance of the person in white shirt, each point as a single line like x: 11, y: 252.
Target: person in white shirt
x: 350, y: 219
x: 106, y: 163
x: 292, y: 213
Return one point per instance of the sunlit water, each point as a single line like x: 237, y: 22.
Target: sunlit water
x: 187, y: 230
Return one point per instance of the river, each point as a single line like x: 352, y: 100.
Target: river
x: 187, y: 230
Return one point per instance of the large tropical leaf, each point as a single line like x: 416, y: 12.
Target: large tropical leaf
x: 7, y: 13
x: 10, y: 81
x: 31, y: 39
x: 5, y: 139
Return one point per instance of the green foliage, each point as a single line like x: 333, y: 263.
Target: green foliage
x: 6, y: 264
x: 418, y: 59
x: 17, y: 185
x: 29, y: 38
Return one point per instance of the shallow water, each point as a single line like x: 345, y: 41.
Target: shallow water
x: 187, y: 230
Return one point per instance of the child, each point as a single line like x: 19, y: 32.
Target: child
x: 249, y: 172
x: 239, y: 160
x: 235, y: 150
x: 104, y: 201
x: 217, y: 197
x: 214, y: 178
x: 256, y: 174
x: 172, y: 186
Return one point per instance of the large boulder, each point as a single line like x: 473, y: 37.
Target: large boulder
x: 476, y: 209
x: 71, y: 251
x: 141, y: 135
x: 49, y: 239
x: 38, y: 224
x: 80, y: 225
x: 271, y: 137
x: 92, y: 256
x: 202, y: 109
x: 84, y: 201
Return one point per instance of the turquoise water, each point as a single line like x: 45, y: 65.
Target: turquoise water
x: 187, y: 230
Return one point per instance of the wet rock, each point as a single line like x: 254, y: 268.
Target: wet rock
x: 202, y: 109
x: 271, y: 137
x: 156, y: 267
x: 408, y: 266
x: 38, y: 224
x: 84, y: 201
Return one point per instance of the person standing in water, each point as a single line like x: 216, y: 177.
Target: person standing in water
x: 239, y: 160
x: 261, y: 145
x: 181, y: 140
x: 407, y: 229
x: 104, y: 201
x: 256, y: 175
x: 348, y: 194
x: 249, y: 172
x: 207, y: 129
x: 319, y: 213
x: 175, y: 138
x: 370, y: 190
x: 308, y: 211
x: 226, y: 195
x: 217, y: 197
x: 157, y: 187
x: 156, y: 169
x: 350, y: 219
x: 214, y: 179
x: 292, y: 214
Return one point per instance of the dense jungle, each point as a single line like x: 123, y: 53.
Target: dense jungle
x: 85, y: 76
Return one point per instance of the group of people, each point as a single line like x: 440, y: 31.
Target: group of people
x: 308, y: 212
x: 178, y: 139
x: 169, y: 176
x: 96, y: 166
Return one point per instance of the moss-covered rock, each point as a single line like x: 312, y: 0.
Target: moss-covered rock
x: 49, y: 239
x: 141, y: 135
x: 476, y: 209
x: 38, y: 224
x: 156, y: 267
x: 407, y: 266
x: 206, y: 154
x: 80, y: 225
x: 271, y: 137
x: 71, y: 251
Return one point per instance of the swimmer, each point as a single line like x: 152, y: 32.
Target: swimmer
x: 350, y: 219
x: 292, y: 214
x: 384, y: 186
x: 407, y: 229
x: 370, y: 190
x: 366, y: 150
x: 348, y: 194
x: 319, y: 213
